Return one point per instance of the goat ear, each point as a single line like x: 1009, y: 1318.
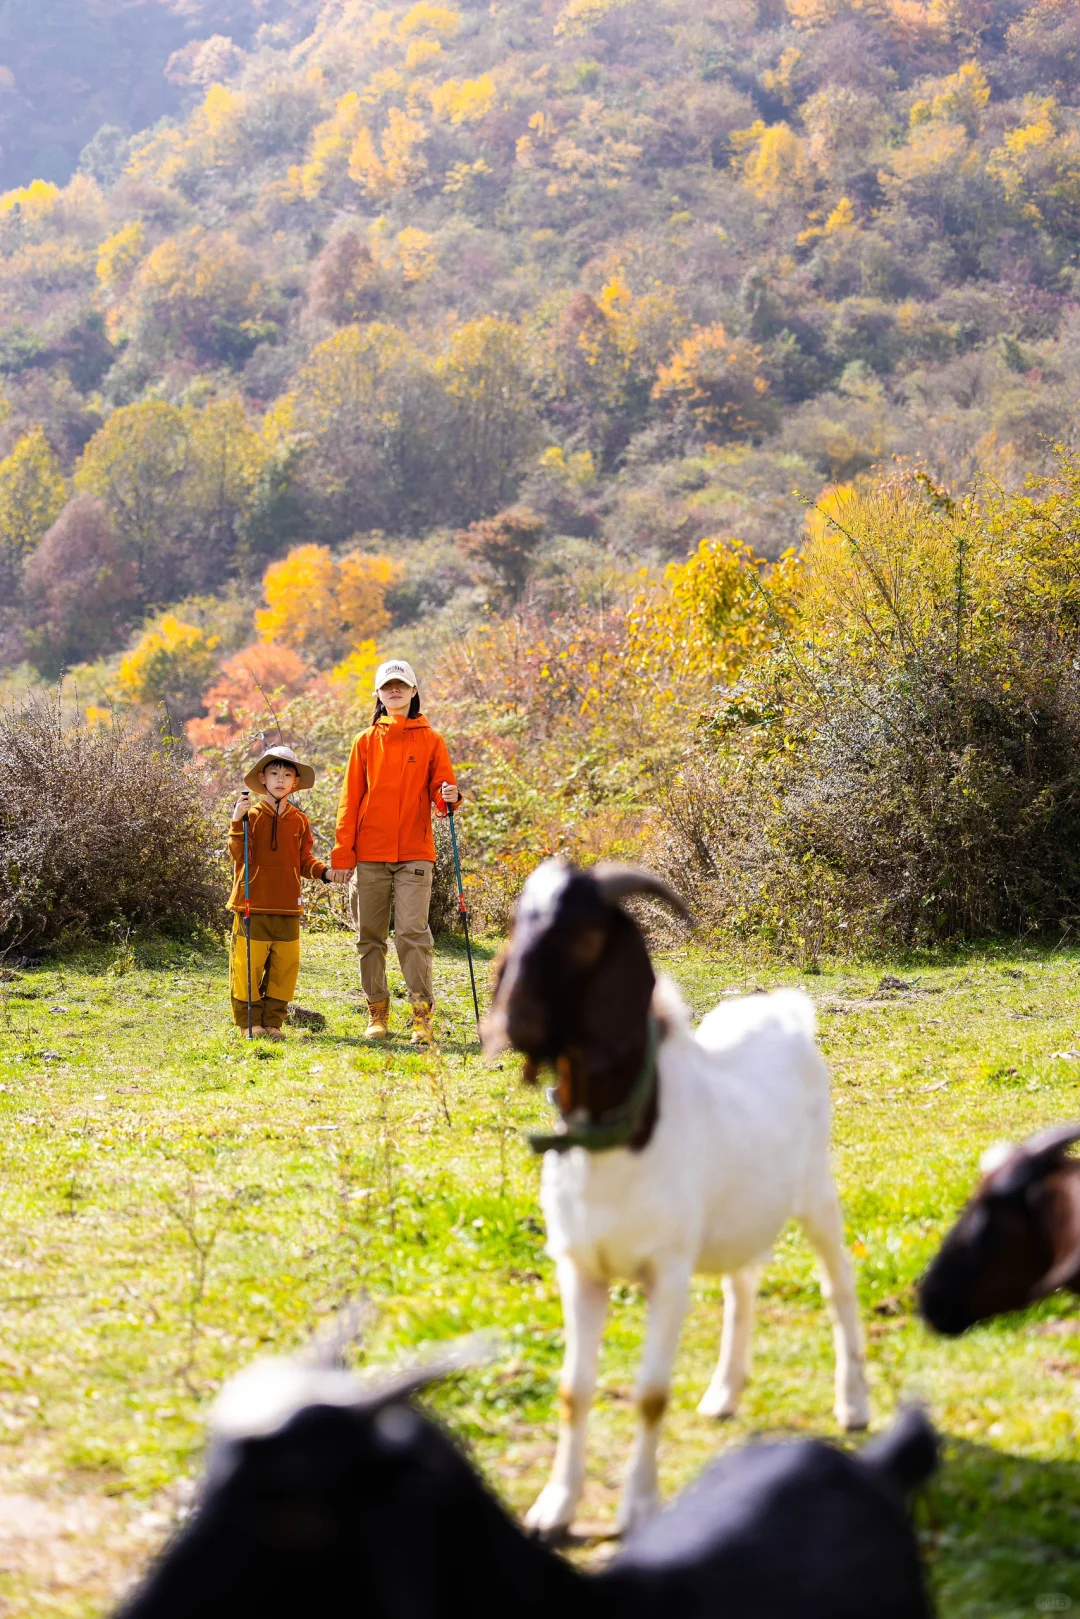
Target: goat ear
x: 617, y: 881
x: 476, y: 1349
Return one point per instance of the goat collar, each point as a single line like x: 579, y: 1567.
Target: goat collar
x: 618, y: 1126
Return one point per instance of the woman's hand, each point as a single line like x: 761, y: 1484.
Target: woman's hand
x: 338, y: 874
x: 450, y: 793
x: 242, y: 807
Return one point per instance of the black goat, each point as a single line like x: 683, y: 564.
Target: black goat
x: 1017, y: 1240
x: 323, y: 1498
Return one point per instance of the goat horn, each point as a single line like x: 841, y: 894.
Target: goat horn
x: 616, y: 881
x: 1052, y: 1140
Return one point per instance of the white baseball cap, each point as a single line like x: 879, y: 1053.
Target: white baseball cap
x: 394, y: 669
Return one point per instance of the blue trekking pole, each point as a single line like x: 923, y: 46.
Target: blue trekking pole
x: 247, y: 919
x: 464, y: 914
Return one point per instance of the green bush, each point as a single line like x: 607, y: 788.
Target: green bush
x: 903, y: 765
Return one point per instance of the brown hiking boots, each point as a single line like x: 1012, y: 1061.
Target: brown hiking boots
x: 379, y: 1014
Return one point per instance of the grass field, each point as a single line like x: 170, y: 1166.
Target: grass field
x: 175, y: 1202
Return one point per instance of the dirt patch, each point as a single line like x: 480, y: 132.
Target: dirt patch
x: 85, y: 1544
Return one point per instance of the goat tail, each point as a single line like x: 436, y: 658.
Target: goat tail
x: 908, y: 1454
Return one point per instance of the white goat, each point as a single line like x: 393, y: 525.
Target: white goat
x: 678, y: 1153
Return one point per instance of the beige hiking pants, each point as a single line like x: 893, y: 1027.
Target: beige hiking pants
x: 374, y: 885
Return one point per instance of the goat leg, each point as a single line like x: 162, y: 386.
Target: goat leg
x: 721, y: 1398
x: 824, y: 1225
x: 668, y: 1292
x: 584, y: 1305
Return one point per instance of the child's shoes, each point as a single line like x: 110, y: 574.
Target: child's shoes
x: 379, y: 1015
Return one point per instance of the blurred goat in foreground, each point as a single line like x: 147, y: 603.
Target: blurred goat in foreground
x: 1018, y: 1238
x: 676, y: 1152
x: 328, y: 1498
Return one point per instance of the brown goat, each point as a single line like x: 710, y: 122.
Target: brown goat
x: 1017, y: 1240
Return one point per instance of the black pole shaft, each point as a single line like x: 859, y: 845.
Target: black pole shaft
x: 464, y: 913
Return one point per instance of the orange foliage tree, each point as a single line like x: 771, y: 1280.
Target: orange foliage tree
x: 717, y: 379
x: 235, y: 706
x: 325, y: 606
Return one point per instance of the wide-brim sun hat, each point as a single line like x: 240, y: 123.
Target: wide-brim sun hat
x: 395, y: 669
x: 285, y: 756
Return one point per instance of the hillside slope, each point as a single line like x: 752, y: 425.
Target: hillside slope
x: 648, y: 268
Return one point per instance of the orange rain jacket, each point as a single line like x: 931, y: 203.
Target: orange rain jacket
x: 392, y: 783
x: 279, y: 854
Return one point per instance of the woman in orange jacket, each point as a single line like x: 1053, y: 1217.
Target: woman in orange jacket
x: 398, y: 772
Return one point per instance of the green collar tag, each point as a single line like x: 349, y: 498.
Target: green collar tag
x: 616, y: 1128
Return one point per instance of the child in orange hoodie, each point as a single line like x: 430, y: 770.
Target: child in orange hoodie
x: 279, y: 854
x: 398, y: 772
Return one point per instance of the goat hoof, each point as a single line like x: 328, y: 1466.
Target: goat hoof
x: 632, y: 1514
x: 720, y: 1403
x: 551, y: 1514
x: 853, y: 1418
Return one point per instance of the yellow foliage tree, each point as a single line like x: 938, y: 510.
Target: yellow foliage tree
x: 712, y: 614
x: 420, y: 51
x: 175, y: 477
x: 426, y: 18
x: 328, y: 151
x: 35, y: 202
x: 32, y: 494
x: 355, y: 675
x: 1038, y: 168
x: 486, y: 373
x: 608, y: 348
x: 579, y: 16
x: 464, y: 101
x: 119, y: 254
x: 959, y: 99
x: 198, y: 294
x: 323, y: 606
x: 217, y: 128
x: 829, y: 508
x: 417, y: 254
x: 774, y: 161
x: 399, y: 164
x: 173, y: 663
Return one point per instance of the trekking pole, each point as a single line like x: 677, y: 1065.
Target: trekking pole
x: 247, y: 919
x: 464, y: 914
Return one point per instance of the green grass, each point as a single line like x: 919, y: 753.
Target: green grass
x: 175, y: 1202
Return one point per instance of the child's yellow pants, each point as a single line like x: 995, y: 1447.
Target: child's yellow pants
x: 275, y: 967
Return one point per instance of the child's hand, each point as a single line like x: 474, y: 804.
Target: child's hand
x: 242, y: 807
x: 450, y: 792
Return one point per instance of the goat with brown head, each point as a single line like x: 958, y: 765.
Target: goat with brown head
x: 678, y: 1151
x: 574, y: 987
x: 1017, y: 1240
